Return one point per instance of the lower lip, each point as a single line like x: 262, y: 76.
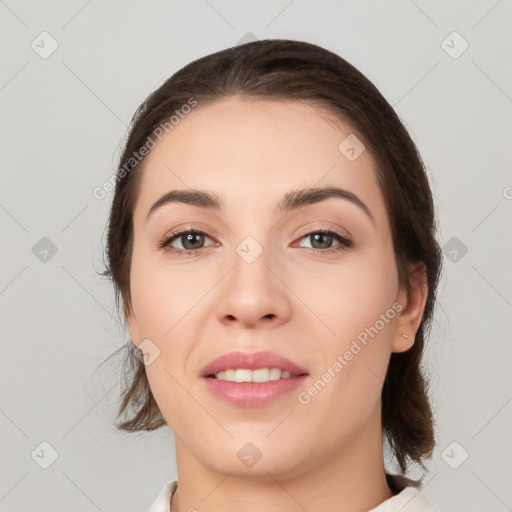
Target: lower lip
x: 252, y: 394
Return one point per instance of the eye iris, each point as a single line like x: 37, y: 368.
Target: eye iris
x: 323, y: 235
x: 188, y: 238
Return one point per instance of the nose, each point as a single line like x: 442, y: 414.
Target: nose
x: 254, y: 294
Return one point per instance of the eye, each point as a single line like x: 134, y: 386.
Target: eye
x: 190, y: 240
x: 323, y: 239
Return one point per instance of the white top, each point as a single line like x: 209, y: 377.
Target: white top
x: 409, y: 499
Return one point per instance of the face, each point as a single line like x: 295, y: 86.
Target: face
x: 251, y: 277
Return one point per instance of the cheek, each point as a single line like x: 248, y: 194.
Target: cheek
x: 169, y: 301
x: 354, y: 347
x: 354, y: 302
x: 350, y: 297
x: 162, y: 295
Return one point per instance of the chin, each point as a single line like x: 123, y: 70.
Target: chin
x: 253, y: 459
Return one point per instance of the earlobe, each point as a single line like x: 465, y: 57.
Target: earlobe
x: 409, y: 319
x: 404, y: 343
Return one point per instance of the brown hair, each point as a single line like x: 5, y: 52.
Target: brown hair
x: 287, y: 70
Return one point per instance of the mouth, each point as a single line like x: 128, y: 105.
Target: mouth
x: 257, y: 379
x: 257, y: 375
x: 260, y: 366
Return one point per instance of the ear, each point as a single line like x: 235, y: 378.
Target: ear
x: 133, y: 326
x: 413, y: 303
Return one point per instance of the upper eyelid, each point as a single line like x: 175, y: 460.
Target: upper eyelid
x: 320, y: 227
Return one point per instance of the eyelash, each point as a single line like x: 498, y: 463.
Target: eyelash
x: 165, y: 243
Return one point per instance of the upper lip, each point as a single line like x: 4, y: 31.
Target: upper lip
x: 251, y: 361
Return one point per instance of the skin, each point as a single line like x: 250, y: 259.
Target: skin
x: 323, y: 455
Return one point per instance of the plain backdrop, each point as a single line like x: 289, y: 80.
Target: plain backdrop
x: 72, y: 74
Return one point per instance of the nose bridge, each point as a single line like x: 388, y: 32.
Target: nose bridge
x: 252, y: 291
x: 251, y: 269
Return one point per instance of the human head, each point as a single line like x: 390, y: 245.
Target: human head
x: 293, y: 71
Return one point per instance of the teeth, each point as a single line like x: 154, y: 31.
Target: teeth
x: 275, y: 374
x: 259, y: 375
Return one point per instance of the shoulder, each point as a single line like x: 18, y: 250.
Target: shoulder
x: 163, y: 501
x: 409, y: 499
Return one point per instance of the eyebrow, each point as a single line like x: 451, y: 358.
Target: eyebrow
x: 293, y: 200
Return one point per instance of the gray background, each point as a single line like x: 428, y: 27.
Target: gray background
x: 62, y: 121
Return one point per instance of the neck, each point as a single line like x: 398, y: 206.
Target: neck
x: 349, y: 479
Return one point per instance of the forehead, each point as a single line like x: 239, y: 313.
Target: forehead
x: 249, y: 151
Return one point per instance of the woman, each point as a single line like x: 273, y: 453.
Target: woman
x: 273, y: 241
